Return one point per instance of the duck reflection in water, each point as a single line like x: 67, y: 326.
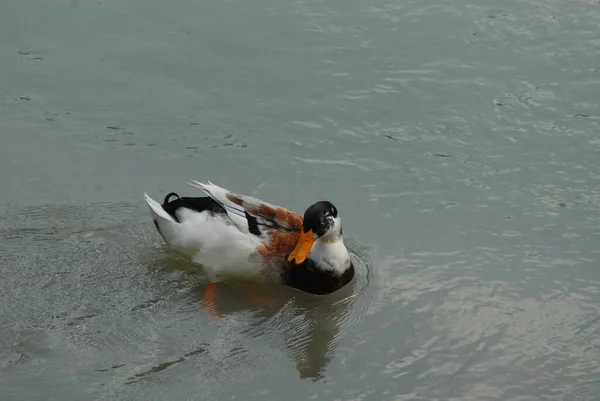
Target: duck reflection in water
x: 309, y: 325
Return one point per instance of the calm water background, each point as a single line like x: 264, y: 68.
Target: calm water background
x: 458, y: 139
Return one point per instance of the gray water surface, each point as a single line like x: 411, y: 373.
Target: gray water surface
x: 459, y: 142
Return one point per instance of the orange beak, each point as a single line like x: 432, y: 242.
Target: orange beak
x: 303, y: 247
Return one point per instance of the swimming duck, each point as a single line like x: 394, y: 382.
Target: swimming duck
x: 237, y: 235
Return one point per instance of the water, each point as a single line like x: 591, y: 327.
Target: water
x: 459, y: 142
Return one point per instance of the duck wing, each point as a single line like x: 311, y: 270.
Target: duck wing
x: 252, y: 215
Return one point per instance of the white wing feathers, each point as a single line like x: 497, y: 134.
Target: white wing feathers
x: 237, y: 213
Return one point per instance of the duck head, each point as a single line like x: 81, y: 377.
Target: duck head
x: 321, y: 224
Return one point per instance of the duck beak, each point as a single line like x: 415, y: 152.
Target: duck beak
x: 305, y: 243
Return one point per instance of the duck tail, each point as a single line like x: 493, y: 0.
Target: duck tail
x: 164, y: 222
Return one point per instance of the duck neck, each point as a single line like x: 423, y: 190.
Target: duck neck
x: 330, y: 254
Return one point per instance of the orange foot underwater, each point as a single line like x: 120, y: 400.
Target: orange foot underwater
x: 209, y: 300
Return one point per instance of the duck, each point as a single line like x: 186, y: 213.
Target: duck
x: 233, y: 235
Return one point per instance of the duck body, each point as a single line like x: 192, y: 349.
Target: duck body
x: 234, y: 235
